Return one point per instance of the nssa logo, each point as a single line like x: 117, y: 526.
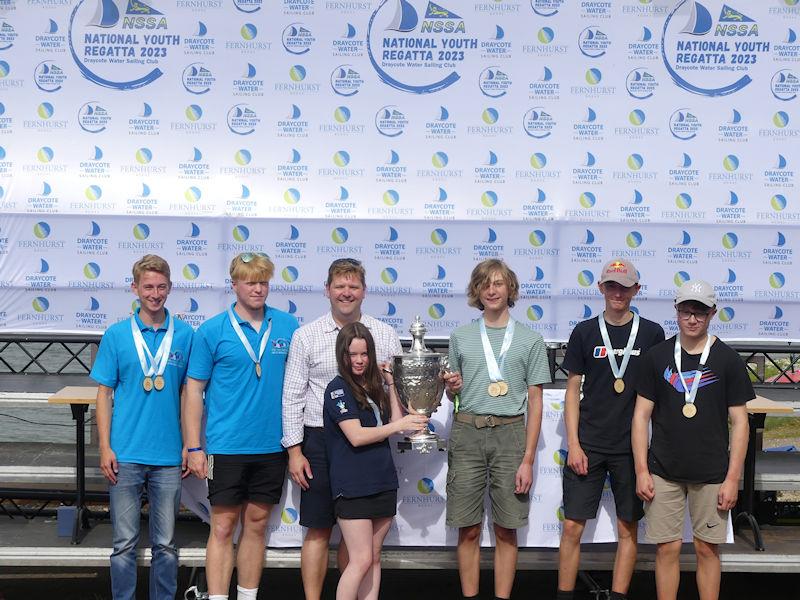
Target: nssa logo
x: 103, y: 37
x: 710, y: 47
x: 416, y: 46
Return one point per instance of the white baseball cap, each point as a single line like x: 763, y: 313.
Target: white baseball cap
x: 697, y: 290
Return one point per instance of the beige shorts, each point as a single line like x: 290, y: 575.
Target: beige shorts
x: 665, y: 514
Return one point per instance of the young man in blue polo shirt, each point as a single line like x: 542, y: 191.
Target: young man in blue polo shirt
x: 141, y: 364
x: 238, y: 359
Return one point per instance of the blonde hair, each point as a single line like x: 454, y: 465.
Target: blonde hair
x: 150, y: 262
x: 250, y: 266
x: 481, y: 276
x: 345, y: 267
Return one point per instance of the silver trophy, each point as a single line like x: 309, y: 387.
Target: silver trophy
x: 418, y: 376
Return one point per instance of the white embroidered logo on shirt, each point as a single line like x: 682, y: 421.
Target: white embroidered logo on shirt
x: 337, y: 394
x: 342, y: 407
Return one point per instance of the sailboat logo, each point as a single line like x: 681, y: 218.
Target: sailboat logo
x: 405, y: 18
x: 699, y: 22
x: 106, y: 14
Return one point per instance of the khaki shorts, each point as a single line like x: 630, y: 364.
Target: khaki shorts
x: 481, y: 458
x: 665, y: 514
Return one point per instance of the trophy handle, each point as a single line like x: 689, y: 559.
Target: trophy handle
x: 444, y: 364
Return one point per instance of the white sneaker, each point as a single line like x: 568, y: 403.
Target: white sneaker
x: 195, y: 594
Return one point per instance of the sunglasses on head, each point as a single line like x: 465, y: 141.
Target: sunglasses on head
x: 247, y: 257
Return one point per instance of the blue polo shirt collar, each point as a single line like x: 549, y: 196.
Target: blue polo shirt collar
x: 243, y: 321
x: 144, y: 327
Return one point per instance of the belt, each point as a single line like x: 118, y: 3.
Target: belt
x: 481, y: 421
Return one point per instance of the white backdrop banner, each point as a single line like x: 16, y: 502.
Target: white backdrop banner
x: 421, y: 497
x: 418, y: 136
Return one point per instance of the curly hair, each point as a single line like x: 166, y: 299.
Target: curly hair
x: 482, y: 275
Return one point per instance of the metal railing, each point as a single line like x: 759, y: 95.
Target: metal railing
x: 769, y: 364
x: 47, y: 353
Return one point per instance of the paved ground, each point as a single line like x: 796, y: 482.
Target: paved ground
x: 284, y: 584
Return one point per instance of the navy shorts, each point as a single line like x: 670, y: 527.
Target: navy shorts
x: 582, y: 493
x: 236, y: 478
x: 376, y: 506
x: 316, y: 503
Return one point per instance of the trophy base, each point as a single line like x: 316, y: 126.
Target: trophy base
x: 423, y: 445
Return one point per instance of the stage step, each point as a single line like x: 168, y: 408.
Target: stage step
x: 35, y: 544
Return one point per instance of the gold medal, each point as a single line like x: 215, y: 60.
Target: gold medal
x: 619, y: 386
x: 258, y: 370
x: 503, y: 387
x: 158, y: 383
x: 689, y: 410
x: 147, y: 384
x: 494, y: 389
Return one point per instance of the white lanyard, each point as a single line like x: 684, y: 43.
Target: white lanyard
x: 618, y: 371
x: 377, y: 412
x: 689, y: 394
x: 153, y: 365
x: 238, y: 329
x: 495, y: 369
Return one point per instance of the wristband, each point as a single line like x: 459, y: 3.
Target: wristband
x: 193, y: 449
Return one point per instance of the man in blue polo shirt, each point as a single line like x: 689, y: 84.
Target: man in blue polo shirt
x: 142, y: 364
x: 239, y: 359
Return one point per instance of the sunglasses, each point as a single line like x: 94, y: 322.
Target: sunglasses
x: 247, y: 257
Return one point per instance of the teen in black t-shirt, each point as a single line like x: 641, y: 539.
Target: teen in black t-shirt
x: 599, y: 425
x: 604, y: 423
x: 689, y: 387
x: 692, y: 450
x: 362, y: 473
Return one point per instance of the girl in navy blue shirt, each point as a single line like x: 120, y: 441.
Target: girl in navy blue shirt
x: 358, y: 417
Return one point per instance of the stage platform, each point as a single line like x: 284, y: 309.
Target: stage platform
x: 35, y: 543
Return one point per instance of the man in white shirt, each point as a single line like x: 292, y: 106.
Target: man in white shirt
x: 310, y: 368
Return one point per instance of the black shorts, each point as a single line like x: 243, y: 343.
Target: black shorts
x: 316, y: 503
x: 376, y: 506
x: 582, y: 493
x: 236, y: 478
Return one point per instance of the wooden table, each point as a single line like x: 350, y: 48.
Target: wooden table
x: 79, y: 399
x: 757, y: 410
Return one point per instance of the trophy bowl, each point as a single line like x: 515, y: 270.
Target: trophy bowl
x: 418, y: 377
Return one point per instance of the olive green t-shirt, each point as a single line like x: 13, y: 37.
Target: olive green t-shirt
x: 526, y: 365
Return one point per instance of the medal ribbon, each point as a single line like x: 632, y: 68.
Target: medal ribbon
x: 689, y: 394
x: 238, y: 329
x: 495, y: 370
x: 377, y: 412
x: 153, y: 365
x: 618, y: 371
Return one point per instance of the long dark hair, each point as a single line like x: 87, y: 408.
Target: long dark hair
x: 371, y: 385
